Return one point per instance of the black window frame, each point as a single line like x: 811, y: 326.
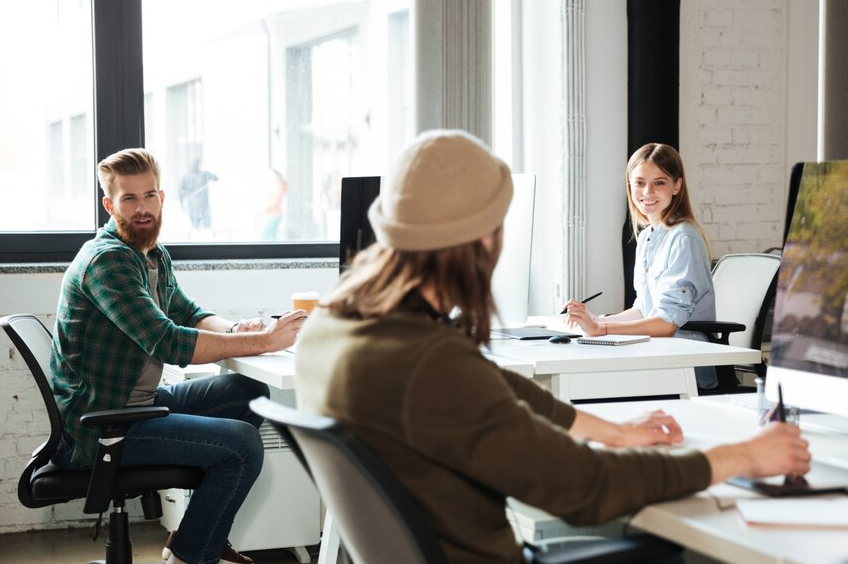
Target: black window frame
x: 119, y: 123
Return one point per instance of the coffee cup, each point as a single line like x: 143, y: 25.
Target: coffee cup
x: 305, y: 301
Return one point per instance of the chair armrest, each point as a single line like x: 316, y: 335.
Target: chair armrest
x: 113, y: 425
x: 111, y: 418
x: 712, y: 328
x: 617, y: 550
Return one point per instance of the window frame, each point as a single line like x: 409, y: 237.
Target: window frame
x: 119, y: 123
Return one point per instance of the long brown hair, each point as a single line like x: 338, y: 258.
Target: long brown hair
x: 381, y: 277
x: 680, y: 209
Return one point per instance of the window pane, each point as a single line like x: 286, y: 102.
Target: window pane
x: 257, y: 109
x: 46, y: 98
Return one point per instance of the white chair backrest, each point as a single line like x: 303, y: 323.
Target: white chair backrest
x: 35, y: 337
x: 741, y: 282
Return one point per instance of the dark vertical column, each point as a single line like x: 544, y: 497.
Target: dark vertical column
x: 835, y: 111
x: 653, y: 89
x: 119, y: 80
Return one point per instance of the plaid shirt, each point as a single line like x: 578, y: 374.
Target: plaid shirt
x: 107, y: 325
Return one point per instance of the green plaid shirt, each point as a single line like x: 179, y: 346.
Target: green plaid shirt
x: 106, y: 326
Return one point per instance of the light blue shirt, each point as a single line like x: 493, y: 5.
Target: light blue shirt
x: 672, y: 275
x: 673, y: 281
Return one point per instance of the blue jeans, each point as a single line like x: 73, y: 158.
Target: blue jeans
x: 210, y: 426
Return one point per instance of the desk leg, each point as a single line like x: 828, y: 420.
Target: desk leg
x: 561, y: 386
x: 329, y: 551
x: 691, y: 384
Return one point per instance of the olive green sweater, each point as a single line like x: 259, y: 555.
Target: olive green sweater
x: 462, y: 434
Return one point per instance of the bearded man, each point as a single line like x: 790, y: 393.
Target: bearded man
x: 121, y: 315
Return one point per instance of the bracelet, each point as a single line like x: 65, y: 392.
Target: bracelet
x: 232, y: 327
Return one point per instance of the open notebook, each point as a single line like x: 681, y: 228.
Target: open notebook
x: 613, y: 340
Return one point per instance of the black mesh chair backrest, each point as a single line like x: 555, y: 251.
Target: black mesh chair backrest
x: 378, y: 521
x: 33, y: 341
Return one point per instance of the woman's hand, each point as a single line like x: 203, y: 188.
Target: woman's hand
x: 653, y: 428
x: 777, y: 449
x: 579, y: 315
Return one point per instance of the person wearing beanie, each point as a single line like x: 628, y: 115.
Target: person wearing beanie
x: 383, y: 356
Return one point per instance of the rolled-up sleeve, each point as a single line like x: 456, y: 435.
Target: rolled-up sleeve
x: 684, y: 280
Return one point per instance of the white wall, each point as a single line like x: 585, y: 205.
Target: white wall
x: 23, y: 426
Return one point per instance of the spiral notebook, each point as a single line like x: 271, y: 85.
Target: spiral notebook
x: 613, y: 340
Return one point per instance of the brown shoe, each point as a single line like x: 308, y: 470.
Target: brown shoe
x: 229, y: 555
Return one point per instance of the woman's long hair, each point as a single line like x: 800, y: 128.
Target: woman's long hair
x: 680, y: 209
x: 381, y: 277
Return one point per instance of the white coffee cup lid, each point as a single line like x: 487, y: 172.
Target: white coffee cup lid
x: 305, y: 296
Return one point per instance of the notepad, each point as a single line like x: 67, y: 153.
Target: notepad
x: 613, y: 340
x: 828, y: 513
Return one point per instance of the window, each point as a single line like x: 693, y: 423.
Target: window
x: 255, y: 109
x: 46, y: 149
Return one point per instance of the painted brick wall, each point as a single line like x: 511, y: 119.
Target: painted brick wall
x: 732, y: 109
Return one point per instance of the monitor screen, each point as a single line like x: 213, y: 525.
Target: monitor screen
x: 511, y: 279
x: 809, y: 354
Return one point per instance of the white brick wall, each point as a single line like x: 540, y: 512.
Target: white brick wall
x: 732, y: 110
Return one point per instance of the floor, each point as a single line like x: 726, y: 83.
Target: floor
x: 74, y: 546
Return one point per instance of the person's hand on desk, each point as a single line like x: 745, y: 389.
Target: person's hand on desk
x: 248, y: 325
x: 654, y: 428
x: 777, y: 449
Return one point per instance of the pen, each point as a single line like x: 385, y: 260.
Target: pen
x: 277, y: 316
x: 781, y: 410
x: 589, y: 299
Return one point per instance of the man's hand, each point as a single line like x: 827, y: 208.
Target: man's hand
x: 249, y: 325
x: 283, y: 331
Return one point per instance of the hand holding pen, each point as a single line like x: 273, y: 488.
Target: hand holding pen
x: 579, y: 315
x: 583, y: 301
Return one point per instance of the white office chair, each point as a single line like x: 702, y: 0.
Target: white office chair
x: 744, y: 288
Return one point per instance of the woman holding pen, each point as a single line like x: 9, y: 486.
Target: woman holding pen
x: 672, y: 275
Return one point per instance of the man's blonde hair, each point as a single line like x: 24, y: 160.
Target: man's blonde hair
x: 128, y: 162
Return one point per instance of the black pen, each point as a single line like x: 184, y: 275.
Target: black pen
x: 781, y: 409
x: 589, y: 299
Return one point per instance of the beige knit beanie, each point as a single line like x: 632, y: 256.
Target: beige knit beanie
x: 446, y: 189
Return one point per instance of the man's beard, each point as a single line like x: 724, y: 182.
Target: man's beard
x: 137, y: 238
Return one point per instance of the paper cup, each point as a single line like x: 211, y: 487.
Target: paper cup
x: 305, y: 300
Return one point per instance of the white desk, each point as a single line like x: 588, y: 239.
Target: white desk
x: 698, y: 522
x: 658, y: 367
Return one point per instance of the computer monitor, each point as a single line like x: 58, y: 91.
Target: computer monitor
x: 809, y: 351
x: 511, y: 279
x: 355, y: 231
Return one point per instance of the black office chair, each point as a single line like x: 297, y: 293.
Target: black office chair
x: 42, y: 484
x: 380, y: 523
x: 744, y: 285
